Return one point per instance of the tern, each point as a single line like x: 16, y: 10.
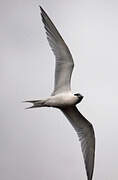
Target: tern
x: 62, y: 97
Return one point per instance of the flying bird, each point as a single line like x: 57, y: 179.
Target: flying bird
x: 62, y: 97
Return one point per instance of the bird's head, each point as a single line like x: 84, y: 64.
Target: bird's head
x: 79, y: 96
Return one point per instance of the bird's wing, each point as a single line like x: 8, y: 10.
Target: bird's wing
x: 64, y: 61
x: 86, y: 135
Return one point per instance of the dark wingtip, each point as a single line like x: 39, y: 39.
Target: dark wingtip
x: 40, y: 7
x: 42, y: 10
x: 43, y: 13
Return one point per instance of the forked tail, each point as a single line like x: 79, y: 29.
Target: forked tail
x: 36, y: 103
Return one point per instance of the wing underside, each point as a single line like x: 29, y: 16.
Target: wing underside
x: 64, y: 61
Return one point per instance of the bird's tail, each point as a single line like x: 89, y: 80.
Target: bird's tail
x: 36, y: 103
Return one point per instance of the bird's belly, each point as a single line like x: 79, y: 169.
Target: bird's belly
x: 62, y: 101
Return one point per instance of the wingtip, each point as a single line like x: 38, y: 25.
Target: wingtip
x: 40, y: 7
x: 42, y: 10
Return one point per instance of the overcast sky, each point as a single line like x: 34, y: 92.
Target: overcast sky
x: 40, y: 143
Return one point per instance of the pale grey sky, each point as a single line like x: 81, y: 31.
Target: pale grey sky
x: 40, y: 143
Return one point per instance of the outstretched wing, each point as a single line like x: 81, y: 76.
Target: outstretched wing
x: 64, y: 61
x: 86, y: 135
